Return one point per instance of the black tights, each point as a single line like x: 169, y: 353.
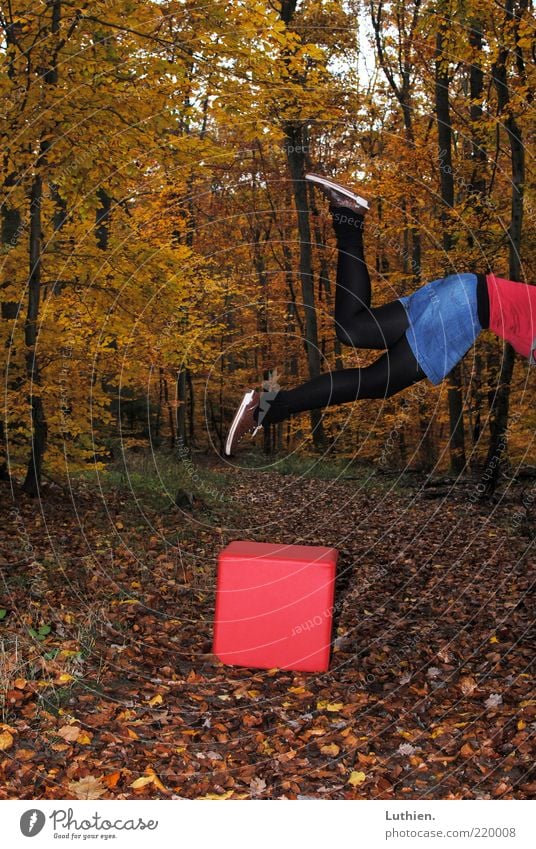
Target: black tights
x: 359, y: 325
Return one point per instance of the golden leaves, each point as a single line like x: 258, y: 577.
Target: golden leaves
x: 218, y: 796
x: 150, y: 778
x: 332, y: 707
x: 330, y: 749
x: 6, y: 740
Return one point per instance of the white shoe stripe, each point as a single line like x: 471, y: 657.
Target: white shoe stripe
x: 234, y: 424
x: 336, y: 187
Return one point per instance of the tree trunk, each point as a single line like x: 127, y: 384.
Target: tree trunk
x: 295, y: 145
x: 444, y: 133
x: 102, y: 216
x: 191, y: 407
x: 293, y: 316
x: 401, y: 85
x: 39, y: 426
x: 428, y: 448
x: 171, y: 420
x: 478, y: 185
x: 181, y: 407
x: 32, y: 481
x: 296, y: 161
x: 498, y: 444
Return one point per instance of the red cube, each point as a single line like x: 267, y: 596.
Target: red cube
x: 274, y: 605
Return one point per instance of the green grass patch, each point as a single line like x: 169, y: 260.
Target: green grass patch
x: 157, y: 478
x: 308, y: 465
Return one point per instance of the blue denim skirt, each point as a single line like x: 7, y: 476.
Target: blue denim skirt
x: 443, y: 323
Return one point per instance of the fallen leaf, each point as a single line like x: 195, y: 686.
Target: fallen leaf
x: 330, y: 706
x: 287, y: 756
x: 84, y: 739
x: 330, y: 749
x: 143, y: 781
x: 111, y: 779
x: 356, y: 778
x: 71, y: 733
x: 257, y: 786
x: 156, y: 780
x: 226, y: 795
x: 467, y: 685
x: 6, y: 740
x: 24, y: 754
x: 501, y: 788
x: 150, y: 778
x: 87, y: 788
x: 406, y: 749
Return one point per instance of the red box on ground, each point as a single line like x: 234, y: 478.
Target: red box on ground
x: 274, y: 605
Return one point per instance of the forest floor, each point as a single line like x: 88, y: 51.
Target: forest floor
x: 110, y: 688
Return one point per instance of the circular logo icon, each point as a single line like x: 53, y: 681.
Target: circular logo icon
x: 31, y: 822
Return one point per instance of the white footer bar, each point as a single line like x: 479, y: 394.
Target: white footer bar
x: 265, y: 824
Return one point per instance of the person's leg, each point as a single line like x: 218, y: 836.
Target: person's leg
x: 395, y: 370
x: 356, y: 323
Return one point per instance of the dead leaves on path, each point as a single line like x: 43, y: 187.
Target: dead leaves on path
x: 118, y: 696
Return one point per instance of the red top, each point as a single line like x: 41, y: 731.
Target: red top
x: 512, y: 314
x: 258, y: 551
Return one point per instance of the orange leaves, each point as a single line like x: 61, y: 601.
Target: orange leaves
x: 251, y: 720
x: 111, y: 779
x: 467, y: 751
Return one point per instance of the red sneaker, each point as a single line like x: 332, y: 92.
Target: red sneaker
x: 243, y: 421
x: 339, y: 195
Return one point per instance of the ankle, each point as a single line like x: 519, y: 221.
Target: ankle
x: 348, y: 227
x: 343, y: 218
x: 272, y: 408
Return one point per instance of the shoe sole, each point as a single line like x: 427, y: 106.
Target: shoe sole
x: 312, y: 178
x: 234, y: 424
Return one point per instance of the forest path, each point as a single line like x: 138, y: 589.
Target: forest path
x: 428, y: 692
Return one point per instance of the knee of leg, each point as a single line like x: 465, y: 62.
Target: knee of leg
x: 346, y: 336
x: 390, y: 384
